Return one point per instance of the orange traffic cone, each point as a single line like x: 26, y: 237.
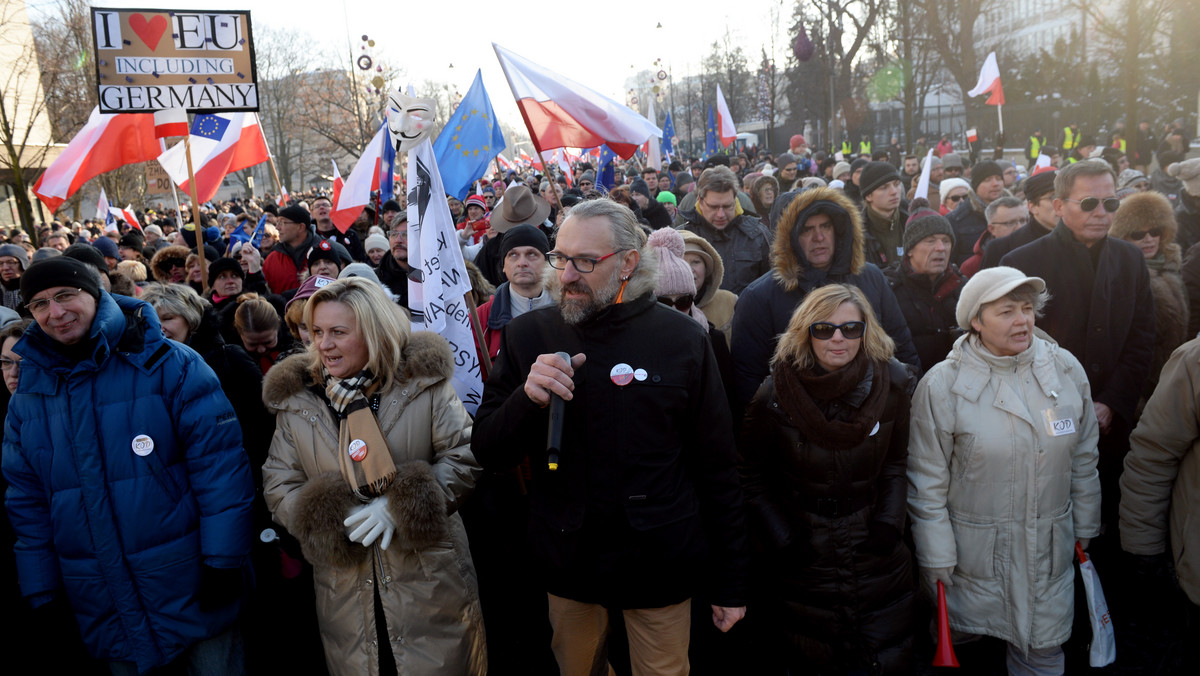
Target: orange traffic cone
x: 944, y: 656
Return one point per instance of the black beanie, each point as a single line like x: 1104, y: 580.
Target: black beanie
x: 983, y: 171
x: 59, y: 271
x: 222, y: 265
x: 88, y: 254
x: 639, y: 186
x: 524, y: 235
x: 876, y: 175
x: 924, y: 222
x: 323, y: 250
x: 1039, y: 184
x: 296, y: 214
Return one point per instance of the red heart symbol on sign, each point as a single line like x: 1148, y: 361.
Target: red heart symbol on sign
x: 149, y: 30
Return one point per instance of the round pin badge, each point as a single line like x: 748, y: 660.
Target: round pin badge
x: 639, y: 375
x: 143, y: 445
x: 621, y: 374
x: 874, y: 430
x: 358, y: 450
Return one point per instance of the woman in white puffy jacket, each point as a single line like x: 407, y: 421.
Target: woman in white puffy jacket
x: 1002, y: 473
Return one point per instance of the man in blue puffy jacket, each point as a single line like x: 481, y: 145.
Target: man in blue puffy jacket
x: 129, y: 492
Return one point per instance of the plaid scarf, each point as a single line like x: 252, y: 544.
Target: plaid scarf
x: 363, y: 454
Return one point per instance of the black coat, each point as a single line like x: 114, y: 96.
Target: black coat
x: 1187, y: 217
x: 998, y: 248
x: 969, y: 223
x: 1105, y: 317
x: 811, y: 511
x: 645, y: 509
x: 929, y: 309
x: 744, y: 246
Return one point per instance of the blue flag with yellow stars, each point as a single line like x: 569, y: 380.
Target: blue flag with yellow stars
x: 209, y: 126
x: 668, y: 129
x: 607, y: 177
x: 710, y: 135
x: 469, y: 141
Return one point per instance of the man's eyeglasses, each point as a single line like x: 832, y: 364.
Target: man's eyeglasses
x: 42, y: 306
x: 1013, y: 223
x: 9, y: 364
x: 682, y: 303
x: 583, y: 265
x: 1138, y: 235
x: 1111, y: 204
x: 402, y: 234
x: 825, y: 330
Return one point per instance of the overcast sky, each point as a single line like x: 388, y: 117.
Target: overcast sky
x: 598, y: 44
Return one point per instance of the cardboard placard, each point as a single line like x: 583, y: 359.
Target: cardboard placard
x: 152, y: 59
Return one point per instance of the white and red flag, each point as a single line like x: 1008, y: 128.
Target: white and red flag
x: 221, y: 144
x: 562, y: 113
x: 105, y: 143
x: 725, y: 128
x: 354, y: 194
x: 989, y: 82
x: 170, y: 122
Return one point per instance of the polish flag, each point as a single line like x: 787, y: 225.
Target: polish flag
x: 127, y: 215
x: 725, y: 127
x: 283, y: 196
x: 105, y: 143
x: 1042, y: 165
x: 560, y: 112
x: 653, y: 151
x: 504, y: 164
x: 221, y: 145
x: 989, y: 82
x: 354, y: 193
x: 170, y: 122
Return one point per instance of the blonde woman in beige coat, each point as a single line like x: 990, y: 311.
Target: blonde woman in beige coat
x: 1002, y: 477
x: 367, y: 472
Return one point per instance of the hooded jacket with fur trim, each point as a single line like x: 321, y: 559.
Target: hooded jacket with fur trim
x: 159, y: 266
x: 425, y: 579
x: 716, y: 303
x: 766, y: 306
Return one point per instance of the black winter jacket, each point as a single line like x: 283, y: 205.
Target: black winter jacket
x: 929, y: 309
x: 645, y: 509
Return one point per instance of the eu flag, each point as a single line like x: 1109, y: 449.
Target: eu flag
x: 668, y: 134
x: 710, y: 135
x: 607, y: 176
x: 469, y: 141
x: 210, y: 126
x: 387, y: 169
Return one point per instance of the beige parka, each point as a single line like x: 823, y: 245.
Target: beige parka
x: 993, y: 493
x: 425, y: 579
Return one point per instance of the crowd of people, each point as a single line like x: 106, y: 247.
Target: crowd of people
x: 745, y: 414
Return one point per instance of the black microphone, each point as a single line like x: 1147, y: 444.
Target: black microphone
x: 555, y: 429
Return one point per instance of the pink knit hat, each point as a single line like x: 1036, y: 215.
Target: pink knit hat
x: 674, y: 274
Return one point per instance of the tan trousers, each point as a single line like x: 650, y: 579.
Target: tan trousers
x: 658, y: 638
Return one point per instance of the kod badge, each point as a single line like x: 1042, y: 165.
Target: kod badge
x: 358, y: 450
x: 143, y: 445
x: 621, y: 374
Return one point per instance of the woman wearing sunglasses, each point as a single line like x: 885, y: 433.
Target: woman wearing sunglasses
x: 1146, y: 219
x: 1002, y: 477
x: 823, y: 453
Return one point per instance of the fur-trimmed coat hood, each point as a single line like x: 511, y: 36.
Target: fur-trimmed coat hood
x: 787, y: 258
x: 158, y: 263
x: 425, y: 579
x: 1144, y: 211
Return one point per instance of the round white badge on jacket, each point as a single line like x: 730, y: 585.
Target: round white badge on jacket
x: 143, y: 445
x: 358, y: 450
x: 874, y: 430
x: 621, y: 374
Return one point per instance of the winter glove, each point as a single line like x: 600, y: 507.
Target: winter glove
x: 882, y: 539
x: 219, y: 587
x: 372, y: 522
x: 934, y: 575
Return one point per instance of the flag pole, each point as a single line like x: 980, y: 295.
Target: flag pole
x: 537, y: 147
x: 187, y: 151
x: 270, y: 157
x: 1000, y: 116
x: 486, y: 362
x: 162, y: 144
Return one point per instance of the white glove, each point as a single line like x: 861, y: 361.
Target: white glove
x: 935, y: 575
x: 370, y: 522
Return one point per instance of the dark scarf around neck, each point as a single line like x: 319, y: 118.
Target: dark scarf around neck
x: 799, y: 391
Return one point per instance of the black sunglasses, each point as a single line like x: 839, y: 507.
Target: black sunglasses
x: 955, y: 198
x: 825, y: 330
x: 1138, y: 235
x: 1111, y: 204
x: 682, y: 303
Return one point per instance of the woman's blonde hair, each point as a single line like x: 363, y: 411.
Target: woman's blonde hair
x: 134, y: 270
x: 293, y: 316
x: 383, y: 326
x: 795, y: 345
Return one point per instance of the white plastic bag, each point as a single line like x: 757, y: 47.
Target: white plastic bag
x: 1104, y: 642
